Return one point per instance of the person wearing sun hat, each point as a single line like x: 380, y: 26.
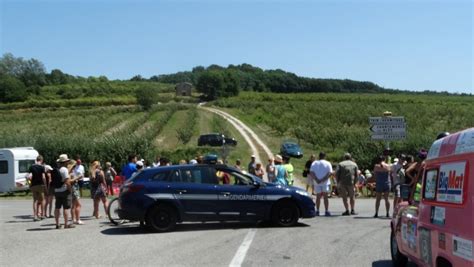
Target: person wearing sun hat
x: 63, y: 193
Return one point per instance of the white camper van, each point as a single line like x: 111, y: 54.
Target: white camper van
x: 14, y: 166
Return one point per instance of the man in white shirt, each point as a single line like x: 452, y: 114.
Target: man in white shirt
x: 320, y: 171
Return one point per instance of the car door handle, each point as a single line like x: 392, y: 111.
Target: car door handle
x: 181, y: 191
x: 226, y: 194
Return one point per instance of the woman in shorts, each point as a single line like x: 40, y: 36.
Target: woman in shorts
x: 100, y: 190
x: 382, y: 184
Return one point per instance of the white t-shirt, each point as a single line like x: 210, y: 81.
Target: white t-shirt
x: 78, y: 171
x: 64, y: 175
x: 394, y: 172
x: 321, y: 168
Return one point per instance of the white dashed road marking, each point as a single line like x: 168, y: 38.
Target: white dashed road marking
x: 242, y: 251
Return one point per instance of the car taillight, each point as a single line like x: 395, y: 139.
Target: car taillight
x: 133, y: 188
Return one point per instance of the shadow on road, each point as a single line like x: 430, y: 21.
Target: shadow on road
x: 388, y: 263
x: 131, y: 229
x: 21, y: 219
x: 40, y: 229
x: 371, y: 217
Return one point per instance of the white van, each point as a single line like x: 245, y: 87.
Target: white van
x: 14, y: 166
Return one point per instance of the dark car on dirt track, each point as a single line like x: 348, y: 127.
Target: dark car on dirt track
x: 291, y: 150
x: 163, y: 196
x: 216, y: 139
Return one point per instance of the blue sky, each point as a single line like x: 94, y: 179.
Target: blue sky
x: 411, y: 45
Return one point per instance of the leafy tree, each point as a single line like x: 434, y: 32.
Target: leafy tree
x: 11, y: 89
x: 30, y: 72
x: 210, y: 83
x: 137, y: 78
x: 146, y: 97
x: 57, y: 77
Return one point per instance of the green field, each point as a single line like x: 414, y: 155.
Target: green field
x: 336, y: 123
x: 111, y: 133
x: 330, y: 122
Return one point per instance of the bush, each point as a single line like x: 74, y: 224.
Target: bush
x: 12, y: 89
x: 146, y: 97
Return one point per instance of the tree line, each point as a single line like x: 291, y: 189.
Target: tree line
x: 21, y: 78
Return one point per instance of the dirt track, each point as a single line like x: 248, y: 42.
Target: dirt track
x: 249, y: 135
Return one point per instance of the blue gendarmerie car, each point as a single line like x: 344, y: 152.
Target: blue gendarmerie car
x: 163, y: 196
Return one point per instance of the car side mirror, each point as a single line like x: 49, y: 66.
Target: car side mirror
x: 256, y: 184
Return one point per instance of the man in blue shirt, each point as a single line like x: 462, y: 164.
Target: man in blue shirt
x: 131, y: 167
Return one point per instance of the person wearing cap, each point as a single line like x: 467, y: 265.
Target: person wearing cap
x: 346, y: 178
x: 281, y: 175
x: 63, y: 194
x: 48, y: 207
x: 38, y: 181
x: 320, y: 171
x: 77, y: 174
x: 252, y: 165
x: 140, y: 167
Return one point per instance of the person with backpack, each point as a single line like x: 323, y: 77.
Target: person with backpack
x: 62, y: 190
x: 397, y: 173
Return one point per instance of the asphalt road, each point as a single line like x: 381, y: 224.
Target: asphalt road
x: 322, y: 241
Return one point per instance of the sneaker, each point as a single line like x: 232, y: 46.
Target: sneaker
x: 36, y: 219
x: 79, y: 222
x: 69, y: 226
x: 353, y: 212
x: 346, y: 213
x: 58, y: 226
x: 317, y: 213
x: 327, y: 214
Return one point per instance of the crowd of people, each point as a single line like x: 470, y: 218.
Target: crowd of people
x: 64, y: 181
x: 346, y: 180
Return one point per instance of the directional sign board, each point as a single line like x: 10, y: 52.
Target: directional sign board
x: 387, y: 128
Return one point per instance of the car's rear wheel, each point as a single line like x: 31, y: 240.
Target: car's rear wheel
x: 161, y: 218
x: 398, y: 259
x: 285, y: 213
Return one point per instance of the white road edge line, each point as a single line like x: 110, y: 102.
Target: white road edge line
x: 242, y: 251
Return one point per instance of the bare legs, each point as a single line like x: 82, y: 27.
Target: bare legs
x: 378, y: 197
x: 96, y: 206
